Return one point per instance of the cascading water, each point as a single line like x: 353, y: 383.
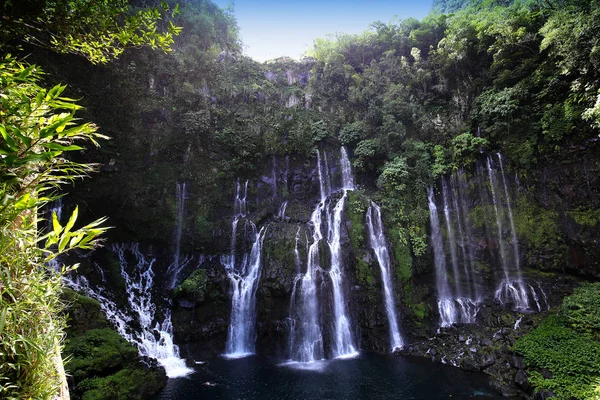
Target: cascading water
x: 153, y: 341
x: 463, y: 302
x: 451, y: 241
x: 446, y: 306
x: 241, y: 336
x: 511, y: 288
x: 179, y: 263
x: 281, y: 212
x: 306, y: 338
x: 379, y: 245
x: 343, y: 344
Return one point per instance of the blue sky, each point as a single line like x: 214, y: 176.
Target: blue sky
x: 273, y: 28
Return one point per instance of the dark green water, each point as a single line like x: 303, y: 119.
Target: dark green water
x: 368, y: 376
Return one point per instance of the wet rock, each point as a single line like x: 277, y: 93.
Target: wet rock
x: 462, y: 338
x: 487, y: 360
x: 522, y: 381
x: 544, y: 394
x: 517, y: 362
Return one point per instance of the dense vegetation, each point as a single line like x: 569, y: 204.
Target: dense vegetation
x: 39, y: 129
x: 563, y: 352
x: 412, y: 101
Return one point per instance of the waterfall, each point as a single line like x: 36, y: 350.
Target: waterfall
x: 178, y: 264
x: 281, y: 212
x: 347, y: 178
x: 511, y: 287
x: 137, y: 325
x: 446, y: 306
x: 378, y: 243
x: 463, y: 302
x: 451, y: 241
x: 241, y: 336
x: 244, y: 277
x: 343, y: 345
x: 475, y: 277
x: 306, y: 338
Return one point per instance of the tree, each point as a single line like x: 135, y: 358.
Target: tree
x: 98, y: 30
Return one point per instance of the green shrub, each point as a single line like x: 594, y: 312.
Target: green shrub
x: 581, y: 310
x: 564, y: 345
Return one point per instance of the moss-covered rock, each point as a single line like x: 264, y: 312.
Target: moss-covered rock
x: 101, y: 363
x: 193, y: 288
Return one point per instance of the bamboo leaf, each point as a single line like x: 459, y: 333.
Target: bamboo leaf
x: 3, y: 320
x: 72, y: 220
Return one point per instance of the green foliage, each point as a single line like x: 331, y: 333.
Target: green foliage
x: 366, y: 151
x: 104, y: 365
x: 394, y: 176
x: 127, y: 384
x: 539, y: 228
x: 97, y: 350
x: 586, y: 217
x: 355, y: 212
x: 465, y: 148
x: 563, y: 345
x: 98, y: 30
x: 193, y: 287
x: 37, y: 127
x: 350, y: 134
x: 580, y: 310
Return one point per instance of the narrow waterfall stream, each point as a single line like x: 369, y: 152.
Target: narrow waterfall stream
x: 241, y: 336
x: 446, y: 305
x: 178, y: 263
x: 379, y: 245
x: 343, y: 344
x: 244, y: 275
x: 306, y: 340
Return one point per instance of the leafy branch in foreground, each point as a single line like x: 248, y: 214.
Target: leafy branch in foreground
x: 98, y: 30
x: 37, y: 128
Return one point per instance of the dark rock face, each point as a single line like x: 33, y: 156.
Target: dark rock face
x: 201, y: 326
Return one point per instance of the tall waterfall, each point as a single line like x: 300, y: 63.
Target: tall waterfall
x: 178, y: 263
x: 460, y: 288
x: 446, y: 305
x: 512, y: 288
x: 139, y: 324
x: 343, y: 345
x: 244, y: 276
x: 461, y: 305
x: 306, y: 338
x: 379, y: 245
